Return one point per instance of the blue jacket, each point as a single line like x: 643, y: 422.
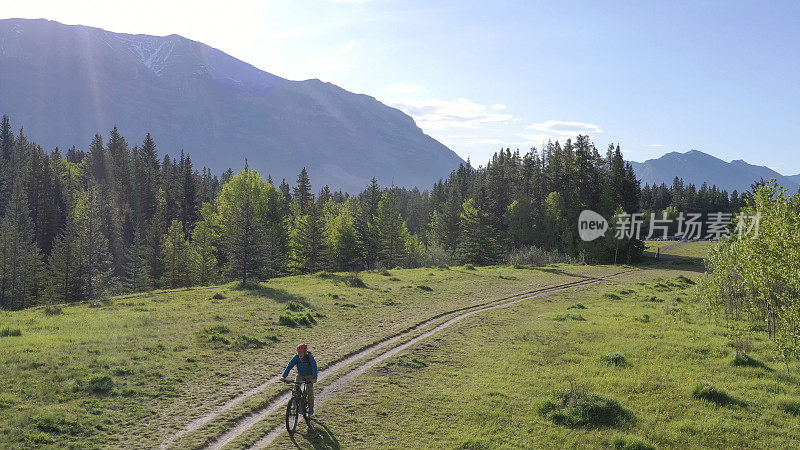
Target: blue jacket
x: 306, y: 366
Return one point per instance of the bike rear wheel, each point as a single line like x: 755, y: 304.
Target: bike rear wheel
x: 292, y: 415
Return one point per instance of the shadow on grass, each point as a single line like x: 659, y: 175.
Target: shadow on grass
x: 318, y: 436
x: 264, y: 291
x: 713, y: 394
x: 742, y: 360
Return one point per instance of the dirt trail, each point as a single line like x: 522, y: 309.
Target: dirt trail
x: 278, y: 403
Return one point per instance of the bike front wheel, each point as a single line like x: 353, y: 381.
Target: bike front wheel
x: 292, y: 414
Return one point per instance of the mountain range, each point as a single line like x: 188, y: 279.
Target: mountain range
x: 66, y: 83
x: 696, y: 167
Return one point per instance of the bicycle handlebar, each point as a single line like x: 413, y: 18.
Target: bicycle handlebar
x: 297, y: 382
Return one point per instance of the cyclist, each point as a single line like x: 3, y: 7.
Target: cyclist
x: 306, y: 371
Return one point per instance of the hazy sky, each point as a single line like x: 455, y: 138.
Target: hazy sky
x: 722, y: 77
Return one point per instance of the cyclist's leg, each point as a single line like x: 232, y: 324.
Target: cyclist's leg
x: 310, y: 393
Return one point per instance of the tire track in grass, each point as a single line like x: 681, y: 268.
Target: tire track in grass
x: 279, y: 402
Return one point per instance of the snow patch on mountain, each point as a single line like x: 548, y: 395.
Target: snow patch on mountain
x: 153, y: 52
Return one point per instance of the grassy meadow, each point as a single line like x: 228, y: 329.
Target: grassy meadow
x: 633, y: 362
x: 132, y: 370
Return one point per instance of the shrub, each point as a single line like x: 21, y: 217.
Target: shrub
x: 615, y: 359
x: 790, y: 406
x: 294, y: 306
x: 644, y: 319
x: 469, y: 267
x: 564, y: 317
x: 99, y: 384
x: 412, y: 362
x: 386, y: 273
x: 244, y: 342
x: 6, y: 332
x: 707, y: 391
x: 394, y: 279
x: 52, y: 310
x: 58, y: 425
x: 217, y: 329
x: 577, y: 306
x: 631, y: 443
x: 424, y: 287
x: 680, y: 279
x: 219, y: 296
x: 354, y: 281
x: 291, y: 319
x: 535, y: 256
x: 611, y: 296
x: 578, y: 408
x: 505, y: 277
x: 216, y: 338
x: 122, y: 371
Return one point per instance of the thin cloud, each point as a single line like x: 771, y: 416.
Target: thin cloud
x: 656, y: 145
x: 447, y: 114
x: 499, y: 106
x: 562, y: 128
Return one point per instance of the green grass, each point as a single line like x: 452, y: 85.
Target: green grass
x: 129, y: 370
x: 508, y: 378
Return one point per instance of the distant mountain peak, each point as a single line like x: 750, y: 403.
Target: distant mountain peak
x: 697, y: 167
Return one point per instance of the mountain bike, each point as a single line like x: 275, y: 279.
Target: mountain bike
x: 297, y: 405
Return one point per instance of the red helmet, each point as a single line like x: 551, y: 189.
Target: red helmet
x: 302, y: 348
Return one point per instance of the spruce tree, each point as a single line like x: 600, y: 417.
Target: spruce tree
x: 392, y: 232
x: 477, y: 242
x: 178, y: 258
x: 137, y: 275
x: 203, y: 244
x: 307, y: 242
x: 20, y: 260
x: 94, y: 258
x: 302, y: 192
x: 341, y: 238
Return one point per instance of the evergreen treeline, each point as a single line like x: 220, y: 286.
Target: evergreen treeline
x: 119, y: 218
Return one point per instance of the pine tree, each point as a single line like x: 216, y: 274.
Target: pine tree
x: 137, y: 275
x: 148, y: 177
x: 20, y: 260
x: 341, y: 239
x: 203, y: 245
x: 66, y: 276
x: 477, y: 242
x: 307, y: 242
x: 520, y: 222
x: 6, y: 173
x: 94, y: 258
x: 392, y: 232
x: 302, y: 192
x: 178, y: 258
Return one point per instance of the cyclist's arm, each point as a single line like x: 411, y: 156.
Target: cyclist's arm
x: 313, y: 366
x: 289, y: 366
